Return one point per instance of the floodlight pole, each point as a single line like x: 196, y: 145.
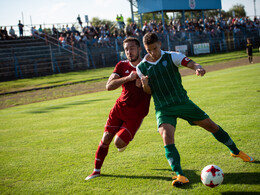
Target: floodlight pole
x: 163, y: 22
x: 132, y: 12
x: 254, y: 8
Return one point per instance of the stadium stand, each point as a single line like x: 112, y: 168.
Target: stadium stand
x: 62, y: 49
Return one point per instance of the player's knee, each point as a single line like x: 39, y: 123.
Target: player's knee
x: 119, y: 143
x: 107, y: 138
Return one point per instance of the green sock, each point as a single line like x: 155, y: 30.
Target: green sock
x: 173, y: 158
x: 223, y: 137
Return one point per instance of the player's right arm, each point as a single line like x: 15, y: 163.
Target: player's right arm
x: 115, y: 81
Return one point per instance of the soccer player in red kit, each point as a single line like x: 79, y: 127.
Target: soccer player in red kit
x: 130, y: 108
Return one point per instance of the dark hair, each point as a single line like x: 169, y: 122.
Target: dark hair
x: 128, y: 39
x: 150, y: 38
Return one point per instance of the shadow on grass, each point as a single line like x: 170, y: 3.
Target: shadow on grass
x: 229, y: 178
x: 62, y: 106
x: 248, y: 193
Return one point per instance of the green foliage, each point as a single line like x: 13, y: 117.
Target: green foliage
x: 49, y: 147
x: 96, y: 22
x: 239, y: 10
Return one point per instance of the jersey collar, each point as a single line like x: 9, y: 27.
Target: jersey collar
x: 162, y: 53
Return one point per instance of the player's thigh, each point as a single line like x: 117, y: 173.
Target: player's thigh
x: 113, y: 123
x: 129, y: 129
x: 207, y: 124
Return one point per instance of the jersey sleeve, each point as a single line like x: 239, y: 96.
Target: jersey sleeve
x: 179, y: 59
x: 138, y: 71
x: 118, y: 69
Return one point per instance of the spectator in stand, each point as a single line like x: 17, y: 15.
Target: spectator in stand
x: 34, y: 32
x: 55, y: 32
x: 67, y: 29
x: 20, y: 26
x: 6, y: 37
x: 77, y: 39
x: 107, y: 41
x: 101, y: 41
x: 94, y: 41
x: 73, y: 29
x: 40, y: 31
x: 79, y: 21
x: 1, y: 33
x: 63, y: 29
x: 67, y: 39
x: 62, y: 40
x: 12, y: 33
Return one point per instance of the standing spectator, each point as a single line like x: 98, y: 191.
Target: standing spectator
x: 20, y: 26
x: 249, y: 50
x: 12, y: 33
x: 40, y: 31
x: 79, y: 21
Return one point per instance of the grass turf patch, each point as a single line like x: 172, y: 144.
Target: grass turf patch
x: 49, y: 147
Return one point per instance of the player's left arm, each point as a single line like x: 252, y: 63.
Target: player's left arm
x: 180, y: 59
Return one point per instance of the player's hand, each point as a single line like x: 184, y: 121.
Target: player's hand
x: 132, y: 76
x: 145, y: 80
x: 200, y: 71
x: 138, y: 83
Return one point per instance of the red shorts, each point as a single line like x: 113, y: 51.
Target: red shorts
x: 121, y: 123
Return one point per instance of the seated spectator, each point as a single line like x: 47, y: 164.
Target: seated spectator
x: 34, y: 32
x: 1, y: 33
x: 62, y: 40
x: 4, y: 31
x: 12, y: 33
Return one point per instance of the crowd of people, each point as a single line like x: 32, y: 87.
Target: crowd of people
x: 103, y: 36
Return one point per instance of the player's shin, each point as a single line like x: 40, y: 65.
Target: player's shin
x: 223, y: 137
x: 101, y: 154
x: 173, y: 158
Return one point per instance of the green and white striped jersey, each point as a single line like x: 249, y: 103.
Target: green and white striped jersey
x: 164, y: 78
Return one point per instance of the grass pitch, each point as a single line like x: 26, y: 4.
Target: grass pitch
x: 49, y: 147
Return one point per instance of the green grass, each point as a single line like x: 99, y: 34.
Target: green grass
x: 66, y: 78
x: 49, y: 147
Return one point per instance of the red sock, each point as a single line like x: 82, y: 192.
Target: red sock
x: 101, y: 154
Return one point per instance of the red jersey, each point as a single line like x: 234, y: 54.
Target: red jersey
x: 133, y: 100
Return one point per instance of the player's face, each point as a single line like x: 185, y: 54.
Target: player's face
x: 154, y: 50
x: 132, y: 51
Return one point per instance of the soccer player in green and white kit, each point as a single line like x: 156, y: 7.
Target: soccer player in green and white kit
x: 160, y: 77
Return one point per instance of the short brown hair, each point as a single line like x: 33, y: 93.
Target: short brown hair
x: 128, y: 39
x: 150, y: 38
